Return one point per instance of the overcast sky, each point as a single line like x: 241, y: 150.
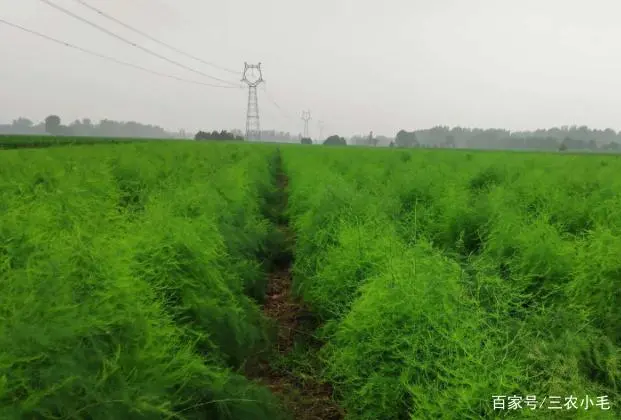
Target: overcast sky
x: 358, y: 65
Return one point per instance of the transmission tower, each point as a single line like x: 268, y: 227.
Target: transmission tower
x: 306, y: 116
x: 320, y: 124
x: 253, y: 127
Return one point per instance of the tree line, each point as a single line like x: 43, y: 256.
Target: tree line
x: 52, y: 125
x: 334, y: 140
x: 557, y: 138
x: 215, y: 135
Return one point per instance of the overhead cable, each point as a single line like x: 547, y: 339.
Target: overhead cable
x: 146, y: 35
x: 280, y: 109
x: 105, y: 57
x: 133, y: 44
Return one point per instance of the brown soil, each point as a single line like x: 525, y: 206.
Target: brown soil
x: 305, y: 398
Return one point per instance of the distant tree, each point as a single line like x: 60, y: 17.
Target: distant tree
x: 369, y: 140
x: 562, y: 147
x: 335, y: 140
x: 435, y: 135
x: 359, y: 140
x: 20, y: 126
x: 406, y: 139
x: 592, y: 145
x: 450, y: 141
x: 79, y: 129
x: 214, y: 135
x: 372, y: 140
x: 52, y: 125
x: 238, y: 134
x: 64, y: 130
x: 392, y: 144
x: 383, y: 140
x: 201, y: 135
x: 575, y: 144
x: 306, y: 140
x: 609, y: 135
x: 85, y: 127
x: 612, y: 146
x: 22, y: 122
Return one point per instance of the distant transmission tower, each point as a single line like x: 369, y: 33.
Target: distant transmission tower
x: 253, y: 126
x: 306, y: 116
x: 320, y: 124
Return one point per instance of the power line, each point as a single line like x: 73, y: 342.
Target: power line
x: 271, y: 99
x: 105, y: 57
x: 127, y: 26
x: 287, y: 114
x: 133, y: 44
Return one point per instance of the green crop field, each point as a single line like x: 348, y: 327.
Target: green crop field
x: 18, y: 142
x: 133, y: 278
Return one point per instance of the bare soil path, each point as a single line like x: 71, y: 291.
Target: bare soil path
x: 306, y: 397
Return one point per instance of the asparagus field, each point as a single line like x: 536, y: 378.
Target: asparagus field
x: 25, y: 141
x: 129, y: 281
x: 452, y: 283
x: 154, y: 280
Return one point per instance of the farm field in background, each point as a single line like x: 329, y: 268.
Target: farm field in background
x: 29, y: 141
x: 132, y: 278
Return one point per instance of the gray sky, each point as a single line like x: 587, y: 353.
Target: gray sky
x: 357, y: 65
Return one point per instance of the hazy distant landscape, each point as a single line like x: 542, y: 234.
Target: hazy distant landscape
x: 579, y: 138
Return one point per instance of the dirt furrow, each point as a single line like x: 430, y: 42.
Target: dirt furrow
x: 303, y: 394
